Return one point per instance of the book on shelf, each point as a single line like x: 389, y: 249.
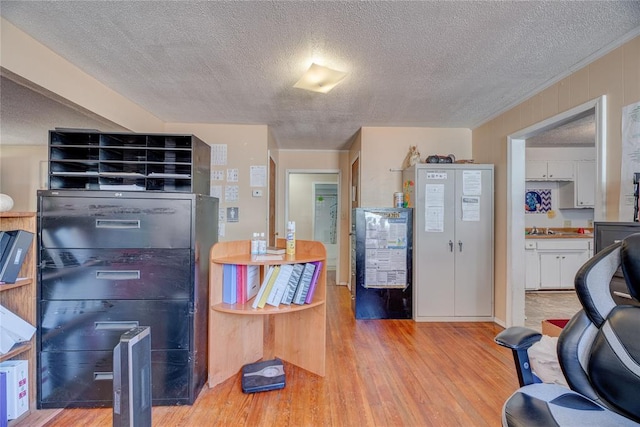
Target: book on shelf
x: 305, y: 282
x: 275, y: 250
x: 241, y: 286
x: 253, y: 281
x: 314, y: 282
x: 280, y: 285
x: 293, y: 283
x: 229, y: 290
x: 265, y: 288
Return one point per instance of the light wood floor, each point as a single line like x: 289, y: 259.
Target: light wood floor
x: 379, y: 373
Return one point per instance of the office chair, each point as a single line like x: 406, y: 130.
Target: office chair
x: 598, y: 351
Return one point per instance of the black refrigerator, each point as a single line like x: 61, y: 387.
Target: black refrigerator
x: 381, y: 263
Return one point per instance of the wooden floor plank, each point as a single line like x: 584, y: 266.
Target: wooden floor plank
x: 379, y: 373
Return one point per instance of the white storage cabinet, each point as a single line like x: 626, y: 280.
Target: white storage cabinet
x: 453, y: 241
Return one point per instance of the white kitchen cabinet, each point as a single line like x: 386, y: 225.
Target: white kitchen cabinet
x: 453, y: 241
x: 549, y: 170
x: 580, y: 193
x: 560, y: 260
x: 532, y: 266
x: 585, y: 183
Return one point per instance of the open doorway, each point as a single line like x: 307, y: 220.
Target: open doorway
x: 516, y: 153
x: 313, y: 202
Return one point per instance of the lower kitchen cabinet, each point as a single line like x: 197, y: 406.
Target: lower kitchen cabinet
x: 553, y: 263
x: 558, y: 269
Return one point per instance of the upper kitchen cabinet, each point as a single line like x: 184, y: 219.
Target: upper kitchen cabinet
x: 581, y: 193
x: 549, y: 170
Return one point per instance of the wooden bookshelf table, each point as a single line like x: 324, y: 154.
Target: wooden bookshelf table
x: 240, y: 334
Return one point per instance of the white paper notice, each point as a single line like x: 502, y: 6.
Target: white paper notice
x: 221, y: 228
x: 218, y: 154
x: 217, y: 175
x: 472, y: 183
x: 231, y: 193
x: 434, y: 208
x: 471, y: 208
x: 232, y: 175
x: 258, y: 176
x: 630, y: 159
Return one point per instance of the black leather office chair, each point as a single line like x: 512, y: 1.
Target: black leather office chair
x: 598, y: 351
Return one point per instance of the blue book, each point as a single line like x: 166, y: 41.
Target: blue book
x: 229, y: 293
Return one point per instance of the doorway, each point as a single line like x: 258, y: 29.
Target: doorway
x: 325, y: 219
x: 515, y: 290
x: 313, y: 202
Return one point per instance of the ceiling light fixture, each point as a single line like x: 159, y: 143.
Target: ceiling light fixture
x: 320, y: 79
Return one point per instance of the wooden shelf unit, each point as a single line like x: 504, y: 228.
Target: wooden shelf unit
x: 240, y: 334
x: 20, y: 298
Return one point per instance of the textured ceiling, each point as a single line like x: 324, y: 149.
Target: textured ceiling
x: 435, y: 64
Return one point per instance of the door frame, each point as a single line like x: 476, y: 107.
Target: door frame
x: 515, y: 289
x: 337, y: 172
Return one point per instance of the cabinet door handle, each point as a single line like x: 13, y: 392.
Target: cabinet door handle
x: 460, y: 245
x: 103, y: 376
x: 123, y: 325
x: 450, y: 246
x: 118, y: 223
x: 118, y: 274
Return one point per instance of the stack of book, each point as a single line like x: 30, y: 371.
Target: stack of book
x: 282, y: 284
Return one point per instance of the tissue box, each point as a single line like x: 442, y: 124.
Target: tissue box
x: 17, y: 374
x: 13, y: 329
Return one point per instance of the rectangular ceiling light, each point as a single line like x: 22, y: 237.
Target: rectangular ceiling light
x: 320, y: 79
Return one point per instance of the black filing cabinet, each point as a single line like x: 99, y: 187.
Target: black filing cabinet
x: 110, y: 261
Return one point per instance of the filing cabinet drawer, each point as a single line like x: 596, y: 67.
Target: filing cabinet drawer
x: 115, y: 274
x: 85, y: 378
x: 98, y: 324
x: 101, y: 222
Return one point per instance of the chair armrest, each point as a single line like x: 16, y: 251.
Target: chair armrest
x: 518, y: 338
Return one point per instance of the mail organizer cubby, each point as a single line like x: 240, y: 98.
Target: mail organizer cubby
x: 128, y: 162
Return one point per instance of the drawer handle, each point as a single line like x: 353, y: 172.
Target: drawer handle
x: 118, y: 223
x: 123, y: 325
x: 103, y: 376
x: 118, y: 274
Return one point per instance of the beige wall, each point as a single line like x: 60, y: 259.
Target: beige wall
x: 616, y: 75
x: 246, y: 147
x: 20, y: 175
x: 383, y: 150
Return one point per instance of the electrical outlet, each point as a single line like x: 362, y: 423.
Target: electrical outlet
x: 567, y: 223
x: 256, y: 193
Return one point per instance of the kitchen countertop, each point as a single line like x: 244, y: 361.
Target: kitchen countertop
x: 560, y: 233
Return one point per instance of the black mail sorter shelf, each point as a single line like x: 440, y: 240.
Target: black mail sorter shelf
x: 128, y: 162
x: 110, y: 261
